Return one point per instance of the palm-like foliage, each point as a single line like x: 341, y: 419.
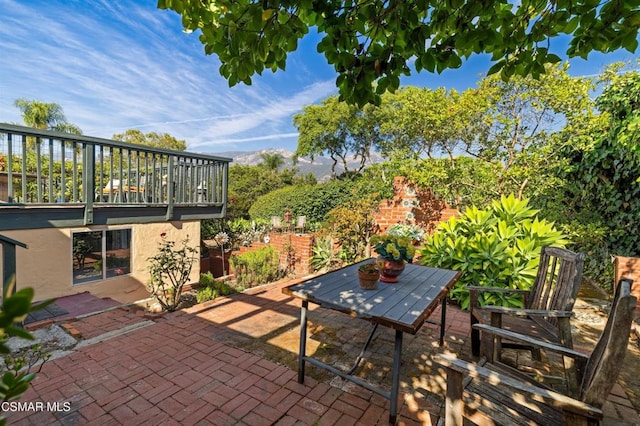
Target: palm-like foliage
x: 46, y: 116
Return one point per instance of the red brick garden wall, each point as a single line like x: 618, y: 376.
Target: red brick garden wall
x: 409, y: 205
x: 412, y: 205
x: 629, y: 267
x: 302, y: 245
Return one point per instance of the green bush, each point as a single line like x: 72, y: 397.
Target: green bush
x: 352, y: 224
x: 495, y: 247
x: 213, y: 289
x: 206, y: 279
x: 16, y: 373
x: 169, y: 271
x: 312, y: 201
x: 324, y: 259
x: 256, y: 267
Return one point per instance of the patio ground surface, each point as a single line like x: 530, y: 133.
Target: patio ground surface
x: 233, y: 361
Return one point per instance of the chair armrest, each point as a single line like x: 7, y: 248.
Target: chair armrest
x: 520, y: 312
x: 487, y: 376
x: 527, y: 340
x: 474, y: 291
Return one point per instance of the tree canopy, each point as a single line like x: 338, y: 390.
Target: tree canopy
x: 272, y: 161
x: 603, y: 174
x: 371, y: 43
x: 46, y: 116
x: 153, y: 139
x: 341, y: 131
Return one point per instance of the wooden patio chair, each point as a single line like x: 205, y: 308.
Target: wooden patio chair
x: 486, y: 396
x: 547, y: 306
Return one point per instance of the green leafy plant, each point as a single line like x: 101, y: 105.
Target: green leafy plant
x: 602, y: 197
x: 495, y: 247
x: 372, y: 44
x: 369, y: 268
x: 312, y: 201
x: 392, y: 247
x: 411, y: 231
x: 15, y: 377
x: 169, y: 271
x: 206, y: 279
x: 256, y: 267
x: 245, y: 232
x: 352, y: 225
x: 212, y: 290
x: 324, y: 259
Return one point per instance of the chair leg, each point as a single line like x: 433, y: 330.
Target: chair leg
x: 536, y: 354
x: 475, y: 336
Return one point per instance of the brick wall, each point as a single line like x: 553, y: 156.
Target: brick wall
x: 409, y: 205
x: 412, y: 205
x: 629, y: 267
x: 302, y: 245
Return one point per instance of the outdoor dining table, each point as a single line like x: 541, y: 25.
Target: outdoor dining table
x: 403, y: 306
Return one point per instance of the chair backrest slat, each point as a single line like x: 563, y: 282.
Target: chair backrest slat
x: 541, y: 277
x: 605, y: 362
x: 557, y: 282
x: 558, y: 279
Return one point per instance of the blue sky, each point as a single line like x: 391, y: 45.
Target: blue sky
x: 117, y: 65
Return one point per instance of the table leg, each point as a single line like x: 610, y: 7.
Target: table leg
x: 443, y: 319
x: 303, y: 340
x: 395, y: 377
x: 364, y: 349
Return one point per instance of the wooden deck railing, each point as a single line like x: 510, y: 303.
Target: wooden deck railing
x: 40, y: 168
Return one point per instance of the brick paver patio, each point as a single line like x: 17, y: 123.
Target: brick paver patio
x: 232, y: 361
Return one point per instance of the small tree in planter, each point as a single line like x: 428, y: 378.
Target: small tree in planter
x: 170, y: 270
x: 495, y: 247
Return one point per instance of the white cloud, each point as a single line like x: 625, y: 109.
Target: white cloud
x: 114, y: 66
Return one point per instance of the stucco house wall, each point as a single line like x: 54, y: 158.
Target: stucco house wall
x: 47, y: 264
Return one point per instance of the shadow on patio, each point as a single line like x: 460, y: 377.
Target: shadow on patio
x: 233, y: 361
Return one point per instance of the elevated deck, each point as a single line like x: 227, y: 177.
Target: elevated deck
x: 52, y: 179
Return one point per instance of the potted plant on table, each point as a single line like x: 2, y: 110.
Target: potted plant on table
x: 393, y: 253
x: 368, y: 275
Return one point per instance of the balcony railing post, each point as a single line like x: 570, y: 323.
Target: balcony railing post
x: 224, y: 183
x: 170, y: 181
x: 10, y: 195
x: 88, y: 183
x: 23, y: 178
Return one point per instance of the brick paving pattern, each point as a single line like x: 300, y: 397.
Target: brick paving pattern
x: 203, y: 366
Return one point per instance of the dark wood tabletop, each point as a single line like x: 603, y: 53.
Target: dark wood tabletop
x: 403, y: 306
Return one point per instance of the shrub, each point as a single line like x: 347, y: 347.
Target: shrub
x: 206, y: 279
x: 212, y: 290
x: 324, y: 259
x: 256, y: 267
x: 352, y: 224
x: 495, y: 247
x: 411, y: 231
x: 17, y: 374
x: 169, y: 270
x: 245, y: 232
x: 312, y: 201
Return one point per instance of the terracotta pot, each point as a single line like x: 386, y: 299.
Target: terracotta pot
x: 368, y: 280
x: 390, y: 270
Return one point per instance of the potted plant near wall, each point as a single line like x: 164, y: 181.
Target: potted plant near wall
x: 394, y: 252
x: 368, y: 275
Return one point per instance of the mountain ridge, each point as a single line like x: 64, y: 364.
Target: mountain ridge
x: 320, y: 166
